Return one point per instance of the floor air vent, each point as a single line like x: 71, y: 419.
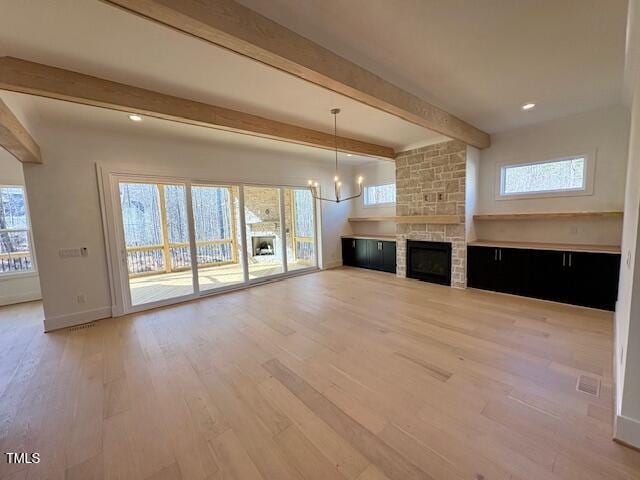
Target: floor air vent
x: 82, y: 327
x: 588, y: 385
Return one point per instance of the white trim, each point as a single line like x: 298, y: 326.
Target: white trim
x: 330, y: 265
x: 627, y: 430
x: 20, y: 298
x: 64, y: 321
x: 15, y: 275
x: 586, y: 189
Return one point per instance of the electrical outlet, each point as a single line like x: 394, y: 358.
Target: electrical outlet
x: 81, y: 298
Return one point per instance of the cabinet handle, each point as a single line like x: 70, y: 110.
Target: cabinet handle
x: 379, y: 245
x: 353, y: 243
x: 564, y: 259
x: 500, y: 254
x: 495, y: 255
x: 570, y: 259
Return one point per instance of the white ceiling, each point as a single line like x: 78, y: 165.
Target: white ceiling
x: 97, y: 39
x: 478, y: 59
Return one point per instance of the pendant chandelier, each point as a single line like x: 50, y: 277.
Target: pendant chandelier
x: 337, y: 184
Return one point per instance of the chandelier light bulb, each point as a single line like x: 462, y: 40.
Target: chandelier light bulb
x: 335, y: 179
x: 315, y: 184
x: 339, y: 184
x: 310, y: 182
x: 360, y: 179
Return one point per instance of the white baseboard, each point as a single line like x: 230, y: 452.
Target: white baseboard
x: 23, y: 297
x: 334, y: 264
x: 64, y: 321
x: 627, y: 430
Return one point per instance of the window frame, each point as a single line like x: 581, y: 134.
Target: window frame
x: 376, y: 205
x: 34, y: 266
x: 586, y: 189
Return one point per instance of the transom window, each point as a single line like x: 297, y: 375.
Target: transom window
x: 564, y: 176
x: 15, y: 232
x: 384, y: 194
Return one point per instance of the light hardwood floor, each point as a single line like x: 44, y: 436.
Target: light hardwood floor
x: 151, y: 288
x: 342, y: 374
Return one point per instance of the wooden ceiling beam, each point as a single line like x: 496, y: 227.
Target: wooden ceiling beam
x: 235, y: 27
x: 16, y: 139
x: 22, y: 76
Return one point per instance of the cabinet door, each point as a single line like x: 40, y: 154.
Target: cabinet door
x: 349, y: 251
x: 362, y: 253
x: 482, y: 265
x: 548, y: 275
x: 389, y: 257
x: 375, y: 254
x: 593, y: 279
x: 512, y: 271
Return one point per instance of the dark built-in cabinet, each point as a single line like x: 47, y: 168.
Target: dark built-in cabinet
x: 369, y: 253
x: 579, y: 278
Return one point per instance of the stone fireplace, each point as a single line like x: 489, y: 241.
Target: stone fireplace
x: 431, y: 181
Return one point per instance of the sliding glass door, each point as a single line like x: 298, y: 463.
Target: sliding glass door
x: 216, y: 222
x: 182, y: 239
x: 264, y: 239
x: 156, y: 237
x: 300, y: 228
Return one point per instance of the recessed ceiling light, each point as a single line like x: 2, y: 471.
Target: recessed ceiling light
x: 349, y: 154
x: 135, y: 118
x: 528, y: 106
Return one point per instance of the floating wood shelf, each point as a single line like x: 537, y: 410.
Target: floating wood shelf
x: 433, y: 219
x: 563, y: 247
x: 546, y: 216
x: 373, y: 236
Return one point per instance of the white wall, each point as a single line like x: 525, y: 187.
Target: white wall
x: 471, y: 192
x: 602, y: 131
x: 20, y: 287
x: 65, y: 205
x: 374, y: 174
x: 627, y: 340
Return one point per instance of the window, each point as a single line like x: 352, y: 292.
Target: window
x: 562, y: 176
x: 15, y: 233
x: 379, y: 194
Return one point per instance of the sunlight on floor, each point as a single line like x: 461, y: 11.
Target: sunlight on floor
x: 154, y: 288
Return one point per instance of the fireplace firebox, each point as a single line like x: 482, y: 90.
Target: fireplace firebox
x: 429, y: 261
x: 263, y: 245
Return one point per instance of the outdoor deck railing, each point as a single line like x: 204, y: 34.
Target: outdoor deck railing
x: 305, y: 251
x: 153, y: 259
x: 15, y: 262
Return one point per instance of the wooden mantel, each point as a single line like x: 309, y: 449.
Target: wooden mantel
x: 417, y: 219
